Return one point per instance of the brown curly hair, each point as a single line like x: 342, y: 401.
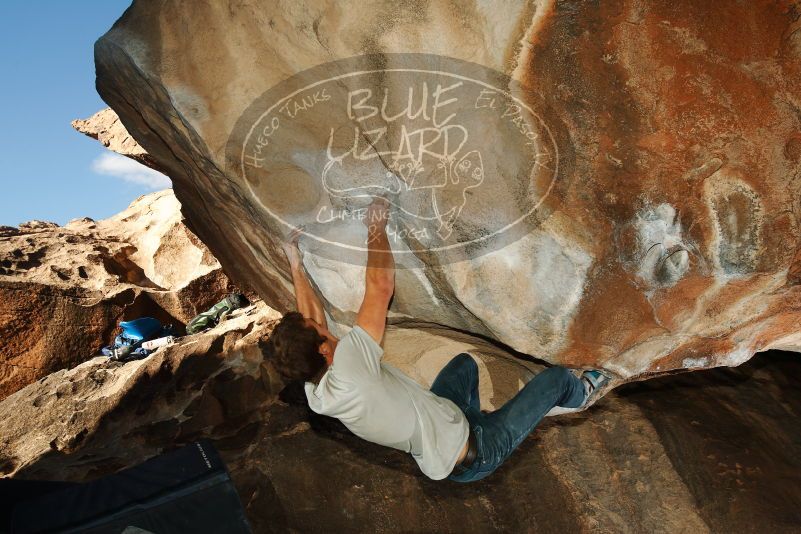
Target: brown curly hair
x: 295, y: 348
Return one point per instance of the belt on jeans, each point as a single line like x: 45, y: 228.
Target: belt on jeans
x: 472, y: 451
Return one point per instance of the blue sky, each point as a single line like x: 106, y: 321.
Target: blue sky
x: 47, y: 170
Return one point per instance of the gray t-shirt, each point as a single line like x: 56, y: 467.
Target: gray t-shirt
x: 381, y: 404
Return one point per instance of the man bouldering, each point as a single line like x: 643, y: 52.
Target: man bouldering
x: 443, y: 428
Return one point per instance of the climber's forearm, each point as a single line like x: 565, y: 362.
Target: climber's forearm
x: 379, y: 284
x: 308, y: 303
x: 380, y: 271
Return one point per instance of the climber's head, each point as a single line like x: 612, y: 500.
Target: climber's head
x: 302, y: 349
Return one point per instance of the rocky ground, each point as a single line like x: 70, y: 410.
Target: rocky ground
x: 713, y: 451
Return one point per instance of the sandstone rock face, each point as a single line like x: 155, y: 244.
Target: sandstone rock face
x: 605, y: 186
x: 643, y: 460
x: 63, y: 290
x: 106, y: 127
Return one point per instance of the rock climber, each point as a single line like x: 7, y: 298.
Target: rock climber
x: 443, y: 428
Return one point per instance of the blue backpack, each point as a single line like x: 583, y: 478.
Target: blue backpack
x: 128, y: 345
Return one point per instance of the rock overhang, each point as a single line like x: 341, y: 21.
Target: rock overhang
x: 664, y: 244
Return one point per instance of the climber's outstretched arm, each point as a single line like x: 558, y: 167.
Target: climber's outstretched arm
x: 308, y: 302
x: 380, y: 274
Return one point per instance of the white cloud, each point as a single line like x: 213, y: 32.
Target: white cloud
x: 111, y: 164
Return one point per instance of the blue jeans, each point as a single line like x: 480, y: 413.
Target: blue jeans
x: 499, y: 433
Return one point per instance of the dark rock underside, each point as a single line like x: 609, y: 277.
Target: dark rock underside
x: 716, y: 451
x: 727, y: 458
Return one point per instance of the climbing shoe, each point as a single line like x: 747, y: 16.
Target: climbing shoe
x: 594, y: 382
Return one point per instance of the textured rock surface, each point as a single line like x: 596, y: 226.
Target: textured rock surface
x: 717, y: 457
x: 665, y: 239
x: 63, y: 290
x: 212, y: 378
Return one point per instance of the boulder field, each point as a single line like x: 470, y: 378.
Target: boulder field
x: 64, y: 289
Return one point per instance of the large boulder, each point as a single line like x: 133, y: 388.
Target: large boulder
x: 64, y: 289
x: 612, y: 186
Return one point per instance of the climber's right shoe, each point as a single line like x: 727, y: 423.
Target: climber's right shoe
x: 594, y: 382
